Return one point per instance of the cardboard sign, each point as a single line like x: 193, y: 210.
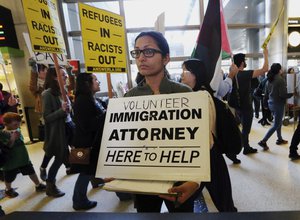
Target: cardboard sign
x: 44, y: 26
x: 103, y: 39
x: 158, y: 137
x: 43, y: 58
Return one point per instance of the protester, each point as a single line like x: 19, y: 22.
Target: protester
x: 152, y: 54
x: 58, y: 126
x: 275, y: 97
x: 224, y: 87
x: 194, y: 75
x: 293, y: 155
x: 89, y: 117
x: 241, y: 98
x: 2, y: 213
x: 36, y: 85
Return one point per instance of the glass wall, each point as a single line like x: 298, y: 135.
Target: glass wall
x: 144, y: 13
x: 245, y: 19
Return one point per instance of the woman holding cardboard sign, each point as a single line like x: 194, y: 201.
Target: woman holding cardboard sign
x: 151, y: 52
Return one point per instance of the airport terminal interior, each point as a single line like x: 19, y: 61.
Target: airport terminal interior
x: 265, y: 181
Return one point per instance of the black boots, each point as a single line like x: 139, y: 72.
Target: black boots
x: 233, y: 158
x: 294, y: 155
x: 249, y: 150
x: 87, y: 206
x: 52, y: 190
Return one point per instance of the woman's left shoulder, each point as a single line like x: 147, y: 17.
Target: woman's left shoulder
x: 180, y: 87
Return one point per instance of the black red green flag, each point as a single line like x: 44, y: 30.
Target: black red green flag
x: 212, y: 43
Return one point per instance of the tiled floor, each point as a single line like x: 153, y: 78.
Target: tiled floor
x: 266, y: 181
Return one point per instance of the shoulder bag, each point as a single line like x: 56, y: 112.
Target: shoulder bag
x: 81, y: 155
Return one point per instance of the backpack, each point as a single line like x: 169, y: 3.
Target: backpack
x: 259, y: 90
x: 228, y: 137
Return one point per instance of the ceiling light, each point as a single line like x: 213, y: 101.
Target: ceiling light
x: 294, y: 39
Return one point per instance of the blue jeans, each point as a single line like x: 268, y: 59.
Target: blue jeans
x: 246, y: 117
x: 278, y: 111
x: 80, y: 189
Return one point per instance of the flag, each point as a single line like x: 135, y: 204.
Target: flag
x: 212, y: 43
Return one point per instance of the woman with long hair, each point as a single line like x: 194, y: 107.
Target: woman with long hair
x: 276, y: 95
x: 195, y: 75
x: 56, y: 113
x: 89, y: 117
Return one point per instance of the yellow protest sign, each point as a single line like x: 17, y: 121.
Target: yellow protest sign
x: 44, y: 26
x: 103, y: 39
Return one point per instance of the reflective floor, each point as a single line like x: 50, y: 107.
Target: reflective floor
x: 265, y: 181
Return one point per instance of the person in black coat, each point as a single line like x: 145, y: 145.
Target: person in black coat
x: 89, y: 117
x: 2, y: 213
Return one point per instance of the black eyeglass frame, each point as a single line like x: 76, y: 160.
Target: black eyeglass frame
x: 136, y: 53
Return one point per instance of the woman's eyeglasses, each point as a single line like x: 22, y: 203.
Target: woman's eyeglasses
x: 148, y: 52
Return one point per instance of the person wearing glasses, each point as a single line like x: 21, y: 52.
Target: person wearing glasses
x: 152, y: 54
x: 219, y: 187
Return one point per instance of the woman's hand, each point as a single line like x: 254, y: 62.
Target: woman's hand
x: 66, y: 107
x: 12, y: 101
x: 184, y: 191
x: 108, y: 179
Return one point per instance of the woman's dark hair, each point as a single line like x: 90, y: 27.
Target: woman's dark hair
x: 52, y: 82
x: 197, y: 68
x: 274, y: 70
x: 159, y: 39
x: 84, y: 83
x: 162, y: 45
x: 41, y: 67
